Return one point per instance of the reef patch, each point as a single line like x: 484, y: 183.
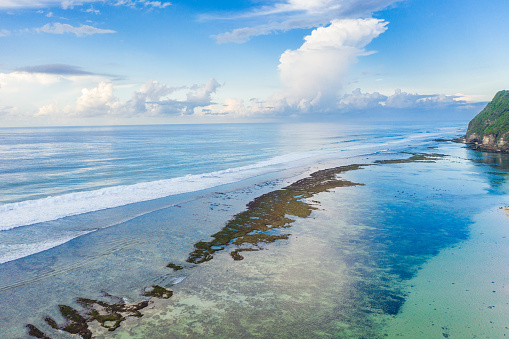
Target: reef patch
x: 266, y: 215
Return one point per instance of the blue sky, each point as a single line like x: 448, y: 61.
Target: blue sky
x: 87, y: 62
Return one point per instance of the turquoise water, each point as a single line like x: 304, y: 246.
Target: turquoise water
x: 48, y: 174
x: 343, y: 272
x: 348, y: 271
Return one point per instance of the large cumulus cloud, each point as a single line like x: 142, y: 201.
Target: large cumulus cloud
x: 313, y: 75
x: 152, y: 99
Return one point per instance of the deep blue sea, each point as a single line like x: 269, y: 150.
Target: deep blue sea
x: 96, y: 212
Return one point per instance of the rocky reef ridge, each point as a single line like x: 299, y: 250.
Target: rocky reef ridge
x: 489, y: 130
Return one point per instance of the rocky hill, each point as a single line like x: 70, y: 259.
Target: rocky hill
x: 489, y: 130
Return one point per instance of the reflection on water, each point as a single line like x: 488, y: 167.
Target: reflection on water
x: 497, y: 160
x: 498, y: 163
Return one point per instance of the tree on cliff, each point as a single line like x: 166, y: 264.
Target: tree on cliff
x: 491, y: 126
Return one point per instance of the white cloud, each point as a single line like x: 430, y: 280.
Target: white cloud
x: 15, y: 80
x: 160, y: 101
x: 399, y: 100
x: 153, y: 90
x: 313, y: 75
x: 152, y: 99
x: 156, y: 4
x: 69, y: 4
x: 359, y: 100
x: 47, y: 110
x: 293, y: 14
x: 65, y: 4
x: 471, y: 97
x: 4, y: 32
x: 197, y: 96
x: 201, y: 95
x: 92, y: 10
x: 52, y: 88
x: 97, y: 101
x: 93, y: 102
x: 402, y: 99
x: 241, y: 35
x: 237, y: 108
x: 58, y: 28
x: 43, y: 88
x: 145, y: 3
x: 149, y: 98
x: 234, y: 106
x: 396, y: 106
x: 9, y: 112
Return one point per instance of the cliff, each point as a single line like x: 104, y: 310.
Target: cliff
x: 489, y: 130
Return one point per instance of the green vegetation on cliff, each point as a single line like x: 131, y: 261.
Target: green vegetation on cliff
x: 493, y: 119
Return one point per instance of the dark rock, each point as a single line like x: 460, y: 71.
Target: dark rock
x: 35, y: 332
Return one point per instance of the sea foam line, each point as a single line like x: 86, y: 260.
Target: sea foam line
x: 31, y: 212
x: 16, y: 251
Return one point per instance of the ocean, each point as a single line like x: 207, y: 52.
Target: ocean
x: 107, y: 213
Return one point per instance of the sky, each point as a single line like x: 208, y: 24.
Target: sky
x: 107, y: 62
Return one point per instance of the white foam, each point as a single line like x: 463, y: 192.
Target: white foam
x: 178, y: 280
x: 52, y: 208
x: 55, y: 207
x: 15, y: 251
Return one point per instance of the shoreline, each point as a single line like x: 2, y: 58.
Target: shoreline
x: 259, y: 224
x: 475, y: 146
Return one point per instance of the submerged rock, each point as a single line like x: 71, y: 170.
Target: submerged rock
x: 75, y: 322
x: 109, y: 315
x: 158, y: 292
x: 175, y: 267
x: 35, y: 332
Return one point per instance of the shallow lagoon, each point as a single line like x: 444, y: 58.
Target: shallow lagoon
x: 367, y: 261
x: 354, y: 268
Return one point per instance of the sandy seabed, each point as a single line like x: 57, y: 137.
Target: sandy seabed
x: 411, y: 252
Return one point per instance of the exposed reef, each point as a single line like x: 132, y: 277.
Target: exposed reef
x: 35, y: 332
x: 175, y: 267
x: 265, y: 216
x: 158, y: 292
x: 416, y: 157
x: 247, y: 231
x: 75, y: 323
x: 109, y: 315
